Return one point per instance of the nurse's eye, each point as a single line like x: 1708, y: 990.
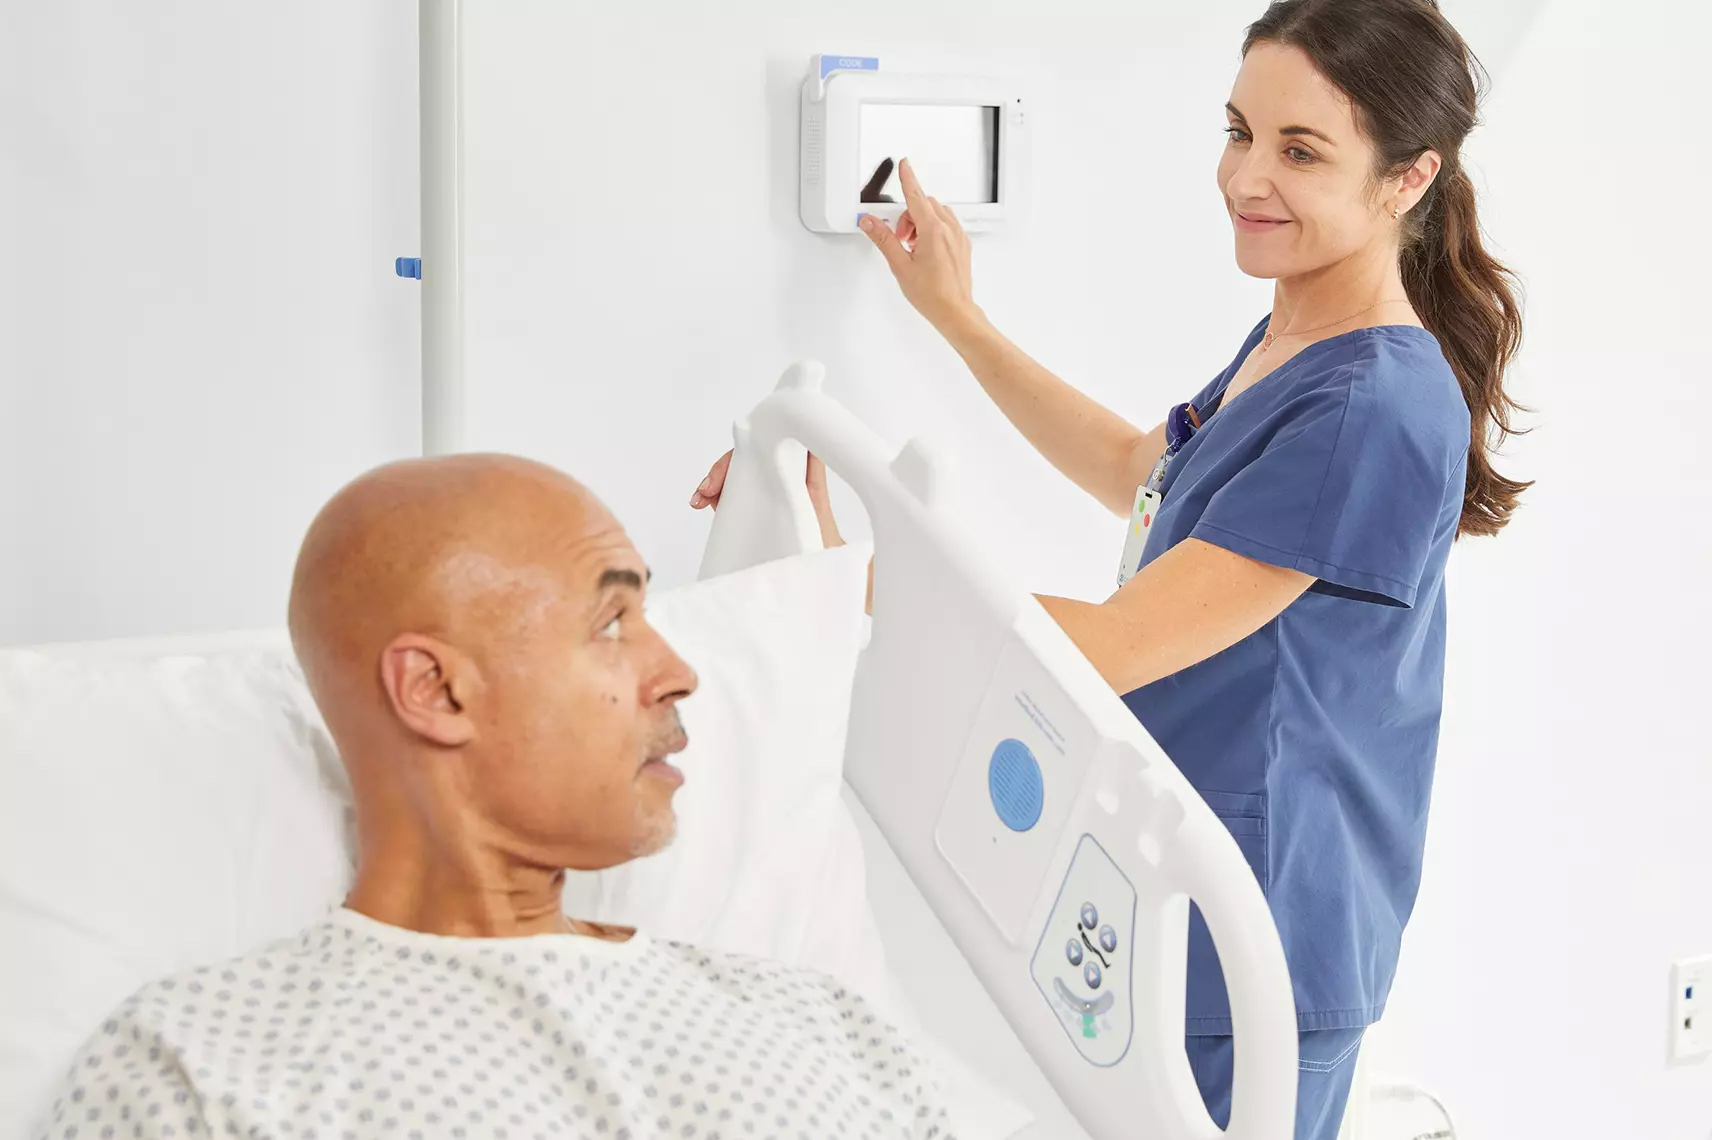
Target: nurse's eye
x: 1236, y: 135
x: 1299, y: 156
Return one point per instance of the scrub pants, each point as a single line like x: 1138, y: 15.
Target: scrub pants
x: 1327, y: 1067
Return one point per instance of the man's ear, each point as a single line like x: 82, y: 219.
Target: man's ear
x: 428, y: 683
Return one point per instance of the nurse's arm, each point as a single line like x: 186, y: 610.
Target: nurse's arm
x: 1191, y: 602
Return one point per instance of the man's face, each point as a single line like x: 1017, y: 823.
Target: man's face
x: 578, y: 710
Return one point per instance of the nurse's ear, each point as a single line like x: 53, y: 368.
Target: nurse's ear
x: 428, y: 684
x: 1412, y: 185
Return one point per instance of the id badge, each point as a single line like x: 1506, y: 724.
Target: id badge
x: 1141, y: 519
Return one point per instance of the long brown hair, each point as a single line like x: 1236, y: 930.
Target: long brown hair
x: 1416, y: 87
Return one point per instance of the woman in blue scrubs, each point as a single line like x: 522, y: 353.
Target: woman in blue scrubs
x: 1281, y: 633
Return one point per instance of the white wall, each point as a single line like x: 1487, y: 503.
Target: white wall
x: 200, y: 337
x: 200, y: 332
x: 1569, y: 859
x: 639, y: 276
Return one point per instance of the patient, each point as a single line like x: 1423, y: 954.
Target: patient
x: 472, y: 629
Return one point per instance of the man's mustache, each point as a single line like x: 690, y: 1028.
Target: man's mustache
x: 670, y: 737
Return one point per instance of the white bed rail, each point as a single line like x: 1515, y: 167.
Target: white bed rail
x: 957, y: 649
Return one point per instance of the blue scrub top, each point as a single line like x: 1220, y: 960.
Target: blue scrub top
x: 1314, y: 738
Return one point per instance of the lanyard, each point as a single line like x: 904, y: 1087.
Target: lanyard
x: 1180, y: 426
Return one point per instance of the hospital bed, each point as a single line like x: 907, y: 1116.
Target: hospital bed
x: 1019, y: 828
x: 1006, y: 787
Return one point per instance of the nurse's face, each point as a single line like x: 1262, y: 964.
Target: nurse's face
x: 1297, y: 172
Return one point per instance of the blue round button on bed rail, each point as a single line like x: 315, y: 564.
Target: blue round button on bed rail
x: 1013, y: 780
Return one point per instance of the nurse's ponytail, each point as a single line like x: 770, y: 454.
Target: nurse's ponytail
x: 1467, y: 298
x: 1416, y: 87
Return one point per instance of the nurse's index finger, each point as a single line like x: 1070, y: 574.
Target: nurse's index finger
x: 918, y: 207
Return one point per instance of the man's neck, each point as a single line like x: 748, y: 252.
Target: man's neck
x: 432, y: 904
x: 460, y: 884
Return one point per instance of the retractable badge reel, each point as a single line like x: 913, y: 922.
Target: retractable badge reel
x: 1180, y: 425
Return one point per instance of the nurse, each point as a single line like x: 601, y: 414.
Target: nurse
x: 1281, y: 633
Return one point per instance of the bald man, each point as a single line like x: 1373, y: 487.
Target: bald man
x: 473, y: 632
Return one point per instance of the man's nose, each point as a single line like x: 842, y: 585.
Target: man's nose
x: 673, y: 679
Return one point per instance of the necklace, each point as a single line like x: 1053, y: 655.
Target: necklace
x: 1266, y: 341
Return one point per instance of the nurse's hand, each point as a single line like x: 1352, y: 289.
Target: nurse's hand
x: 814, y: 478
x: 929, y: 255
x: 708, y: 492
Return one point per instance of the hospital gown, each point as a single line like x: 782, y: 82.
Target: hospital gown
x: 356, y: 1029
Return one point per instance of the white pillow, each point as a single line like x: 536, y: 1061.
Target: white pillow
x: 767, y: 860
x: 172, y: 803
x: 162, y: 805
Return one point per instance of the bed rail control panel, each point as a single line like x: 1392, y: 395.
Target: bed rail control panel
x: 1082, y: 964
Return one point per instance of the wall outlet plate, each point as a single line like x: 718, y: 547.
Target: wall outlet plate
x: 1690, y: 1008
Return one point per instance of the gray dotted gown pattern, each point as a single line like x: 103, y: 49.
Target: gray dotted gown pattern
x: 357, y: 1030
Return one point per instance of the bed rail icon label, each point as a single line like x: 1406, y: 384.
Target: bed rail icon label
x: 1010, y: 799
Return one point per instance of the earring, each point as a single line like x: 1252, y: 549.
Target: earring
x: 1395, y: 213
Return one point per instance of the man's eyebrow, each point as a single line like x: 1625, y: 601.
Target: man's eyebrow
x: 1287, y: 131
x: 627, y: 578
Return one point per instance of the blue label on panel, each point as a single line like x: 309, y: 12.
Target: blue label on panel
x: 832, y: 63
x: 1015, y: 784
